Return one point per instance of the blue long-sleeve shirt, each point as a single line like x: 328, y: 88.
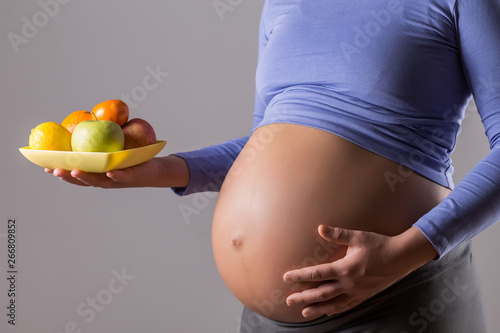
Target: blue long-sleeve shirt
x: 392, y: 76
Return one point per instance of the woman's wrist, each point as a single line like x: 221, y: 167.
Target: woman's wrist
x: 173, y: 171
x: 414, y: 249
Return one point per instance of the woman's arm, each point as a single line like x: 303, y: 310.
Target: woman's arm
x: 190, y: 172
x: 474, y: 205
x: 373, y: 262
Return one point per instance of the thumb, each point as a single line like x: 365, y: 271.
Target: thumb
x: 336, y: 235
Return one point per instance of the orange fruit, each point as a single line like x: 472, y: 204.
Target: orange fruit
x: 114, y: 110
x: 50, y: 136
x: 75, y: 118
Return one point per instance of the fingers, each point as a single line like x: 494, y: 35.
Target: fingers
x: 66, y: 176
x: 129, y: 177
x: 327, y: 299
x: 336, y: 235
x: 320, y: 272
x: 322, y: 293
x: 118, y: 176
x: 78, y: 177
x: 336, y: 305
x: 93, y: 179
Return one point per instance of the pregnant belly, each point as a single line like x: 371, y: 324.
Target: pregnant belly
x: 288, y: 180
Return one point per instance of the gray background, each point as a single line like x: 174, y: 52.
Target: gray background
x: 71, y: 239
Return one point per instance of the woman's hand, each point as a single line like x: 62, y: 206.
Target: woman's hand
x: 169, y: 171
x: 372, y: 263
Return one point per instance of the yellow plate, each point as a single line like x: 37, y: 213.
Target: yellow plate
x: 92, y: 162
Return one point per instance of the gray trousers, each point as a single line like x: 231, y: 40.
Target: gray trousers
x: 443, y: 296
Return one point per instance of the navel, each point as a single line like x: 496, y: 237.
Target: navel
x: 236, y: 241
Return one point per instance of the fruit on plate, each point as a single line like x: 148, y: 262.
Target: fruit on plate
x: 138, y: 133
x: 106, y: 128
x: 97, y: 136
x: 113, y: 110
x: 75, y: 118
x: 50, y: 136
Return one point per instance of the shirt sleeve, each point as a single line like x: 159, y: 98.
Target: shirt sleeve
x: 474, y: 204
x: 208, y: 166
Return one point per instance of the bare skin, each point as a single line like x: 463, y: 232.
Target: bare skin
x: 289, y: 179
x: 370, y: 260
x: 373, y: 262
x: 169, y: 171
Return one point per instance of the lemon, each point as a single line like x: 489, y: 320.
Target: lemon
x: 50, y: 136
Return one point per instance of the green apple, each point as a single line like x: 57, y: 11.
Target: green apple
x: 97, y: 136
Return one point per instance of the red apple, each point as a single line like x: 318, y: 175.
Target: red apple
x: 138, y: 133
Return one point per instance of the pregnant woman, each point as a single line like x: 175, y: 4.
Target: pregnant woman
x: 338, y: 213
